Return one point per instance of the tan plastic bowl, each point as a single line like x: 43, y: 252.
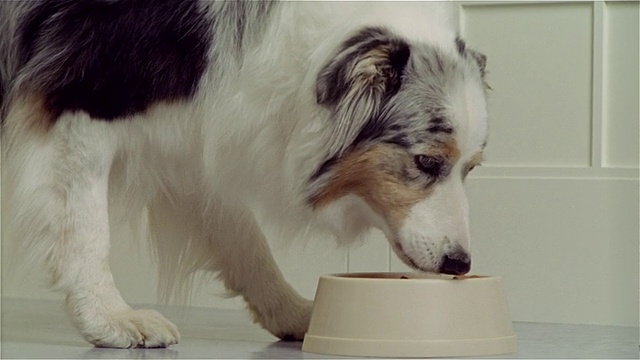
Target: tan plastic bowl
x: 409, y: 315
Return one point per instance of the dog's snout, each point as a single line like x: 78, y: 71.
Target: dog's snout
x: 456, y: 263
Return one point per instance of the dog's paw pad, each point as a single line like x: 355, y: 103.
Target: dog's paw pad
x: 134, y: 328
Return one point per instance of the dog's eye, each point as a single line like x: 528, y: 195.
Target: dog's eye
x: 430, y: 165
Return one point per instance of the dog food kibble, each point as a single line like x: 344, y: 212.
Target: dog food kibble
x: 403, y: 277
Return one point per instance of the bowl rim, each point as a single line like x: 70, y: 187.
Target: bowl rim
x: 410, y: 276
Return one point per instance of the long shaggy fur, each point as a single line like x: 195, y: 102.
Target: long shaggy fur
x: 204, y: 121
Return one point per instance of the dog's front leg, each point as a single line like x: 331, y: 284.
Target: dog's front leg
x: 60, y: 212
x: 80, y: 265
x: 248, y: 268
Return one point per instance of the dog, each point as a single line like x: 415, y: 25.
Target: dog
x: 205, y: 119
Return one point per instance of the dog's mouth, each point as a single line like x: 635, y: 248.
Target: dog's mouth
x: 402, y: 255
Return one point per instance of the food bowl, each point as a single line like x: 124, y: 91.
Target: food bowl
x: 409, y: 315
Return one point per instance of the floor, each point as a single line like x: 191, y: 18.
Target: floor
x: 39, y: 329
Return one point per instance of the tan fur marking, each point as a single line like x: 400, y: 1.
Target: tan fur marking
x: 375, y: 175
x: 371, y: 69
x: 447, y: 149
x: 28, y: 113
x: 476, y: 159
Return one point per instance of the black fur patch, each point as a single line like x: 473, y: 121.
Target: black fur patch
x: 439, y: 125
x: 113, y: 58
x: 401, y: 140
x: 460, y: 45
x: 334, y: 81
x: 372, y: 129
x: 326, y: 166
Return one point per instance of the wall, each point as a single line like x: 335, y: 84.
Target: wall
x: 554, y: 209
x: 556, y: 206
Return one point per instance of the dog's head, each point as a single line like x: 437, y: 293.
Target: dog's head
x: 409, y: 122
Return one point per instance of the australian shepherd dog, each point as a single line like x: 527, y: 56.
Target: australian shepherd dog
x: 203, y: 120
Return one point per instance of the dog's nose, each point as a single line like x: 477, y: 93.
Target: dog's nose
x: 456, y: 263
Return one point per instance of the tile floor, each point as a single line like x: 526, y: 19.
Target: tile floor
x: 40, y: 329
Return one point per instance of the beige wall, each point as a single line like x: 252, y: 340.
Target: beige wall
x: 554, y: 209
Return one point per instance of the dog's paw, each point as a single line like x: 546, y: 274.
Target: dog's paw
x: 288, y: 323
x: 132, y: 328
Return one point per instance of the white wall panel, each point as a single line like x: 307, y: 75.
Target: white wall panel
x: 539, y: 63
x: 555, y: 209
x: 621, y: 79
x: 567, y: 249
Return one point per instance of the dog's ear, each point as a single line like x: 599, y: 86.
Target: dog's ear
x: 366, y: 71
x: 480, y: 58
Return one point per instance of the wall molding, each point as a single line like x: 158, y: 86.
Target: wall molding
x: 576, y: 173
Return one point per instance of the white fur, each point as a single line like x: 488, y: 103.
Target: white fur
x: 208, y: 171
x: 434, y: 225
x: 441, y: 221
